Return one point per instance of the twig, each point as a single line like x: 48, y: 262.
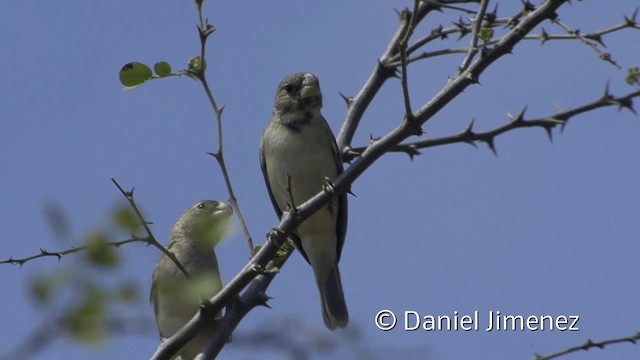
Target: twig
x: 590, y: 345
x: 402, y: 48
x: 576, y: 33
x: 475, y: 34
x: 517, y: 122
x: 253, y: 272
x: 149, y: 239
x: 204, y: 30
x: 60, y: 254
x: 380, y: 74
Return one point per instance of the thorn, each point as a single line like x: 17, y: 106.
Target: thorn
x: 468, y: 134
x: 544, y: 36
x: 411, y: 150
x: 512, y: 23
x: 385, y: 71
x: 631, y: 21
x: 549, y: 130
x: 351, y: 193
x: 221, y: 109
x: 262, y: 300
x: 347, y: 99
x: 437, y: 31
x: 519, y: 117
x: 463, y: 28
x: 491, y: 145
x: 415, y: 128
x: 490, y: 17
x: 527, y: 6
x: 597, y: 38
x: 606, y: 96
x: 473, y: 78
x: 626, y: 104
x: 469, y: 129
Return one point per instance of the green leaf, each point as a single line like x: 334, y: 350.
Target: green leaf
x: 125, y: 218
x: 86, y: 321
x: 99, y: 252
x: 486, y: 34
x: 195, y: 63
x: 162, y: 69
x: 41, y: 289
x: 633, y: 76
x: 134, y: 74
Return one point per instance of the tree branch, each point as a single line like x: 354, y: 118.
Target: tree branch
x: 590, y: 345
x: 204, y: 30
x: 548, y: 123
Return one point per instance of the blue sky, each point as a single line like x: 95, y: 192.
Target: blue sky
x: 542, y: 229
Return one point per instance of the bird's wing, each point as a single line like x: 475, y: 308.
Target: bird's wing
x: 343, y: 211
x: 292, y: 236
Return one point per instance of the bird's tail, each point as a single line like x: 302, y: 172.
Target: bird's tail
x: 334, y: 308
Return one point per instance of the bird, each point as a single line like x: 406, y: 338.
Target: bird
x: 175, y: 297
x: 298, y: 149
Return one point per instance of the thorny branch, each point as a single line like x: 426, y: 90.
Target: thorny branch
x: 204, y: 30
x: 633, y: 339
x: 252, y: 276
x: 60, y: 254
x: 247, y: 289
x: 149, y: 239
x: 548, y: 123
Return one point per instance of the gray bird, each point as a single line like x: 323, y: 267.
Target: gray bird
x: 299, y: 143
x: 176, y: 298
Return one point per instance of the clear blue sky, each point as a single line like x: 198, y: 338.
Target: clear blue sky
x: 543, y: 229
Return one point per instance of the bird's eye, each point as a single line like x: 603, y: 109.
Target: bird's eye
x: 288, y: 88
x: 200, y: 206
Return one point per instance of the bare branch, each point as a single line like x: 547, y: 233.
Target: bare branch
x: 60, y: 254
x: 149, y: 239
x: 204, y: 30
x: 591, y: 345
x: 380, y: 74
x: 475, y: 34
x: 576, y: 33
x: 548, y: 123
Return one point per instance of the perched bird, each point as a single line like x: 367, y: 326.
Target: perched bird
x: 298, y: 148
x: 175, y: 297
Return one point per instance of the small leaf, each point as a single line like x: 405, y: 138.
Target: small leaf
x: 42, y: 289
x: 162, y: 69
x: 633, y: 76
x: 86, y: 321
x: 128, y: 292
x: 486, y: 34
x: 99, y: 252
x: 126, y: 219
x: 134, y: 74
x: 195, y: 63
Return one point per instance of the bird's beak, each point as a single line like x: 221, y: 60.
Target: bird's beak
x: 224, y: 207
x: 310, y: 87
